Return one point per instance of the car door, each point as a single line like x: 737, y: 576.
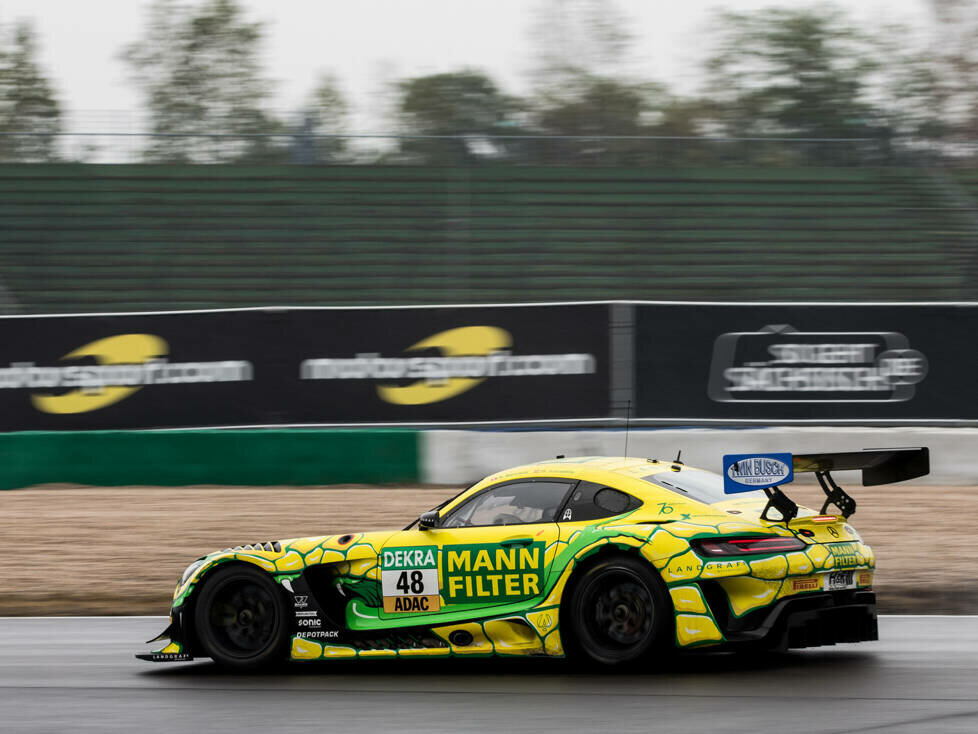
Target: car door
x: 486, y: 551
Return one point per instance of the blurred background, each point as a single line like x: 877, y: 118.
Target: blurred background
x: 221, y: 153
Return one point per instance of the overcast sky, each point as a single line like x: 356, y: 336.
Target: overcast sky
x: 369, y: 43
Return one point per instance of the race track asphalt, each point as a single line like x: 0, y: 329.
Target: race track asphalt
x: 78, y: 674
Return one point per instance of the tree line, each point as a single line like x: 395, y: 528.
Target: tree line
x: 807, y: 73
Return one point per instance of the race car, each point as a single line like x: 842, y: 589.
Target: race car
x: 601, y: 559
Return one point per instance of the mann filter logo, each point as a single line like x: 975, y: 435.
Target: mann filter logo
x: 467, y: 357
x: 123, y: 365
x: 478, y: 572
x: 781, y: 365
x: 845, y: 554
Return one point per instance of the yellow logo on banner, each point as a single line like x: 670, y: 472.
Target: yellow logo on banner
x: 124, y: 349
x: 466, y: 341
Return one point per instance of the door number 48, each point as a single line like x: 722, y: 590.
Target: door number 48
x: 412, y: 585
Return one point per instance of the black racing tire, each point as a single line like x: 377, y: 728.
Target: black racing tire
x: 617, y: 614
x: 241, y: 618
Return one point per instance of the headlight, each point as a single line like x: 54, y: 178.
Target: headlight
x: 190, y: 570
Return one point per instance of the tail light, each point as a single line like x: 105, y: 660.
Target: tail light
x: 748, y: 546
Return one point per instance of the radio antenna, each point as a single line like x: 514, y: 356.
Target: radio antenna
x: 628, y: 417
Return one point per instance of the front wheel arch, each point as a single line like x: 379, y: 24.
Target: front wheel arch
x: 188, y: 612
x: 241, y: 618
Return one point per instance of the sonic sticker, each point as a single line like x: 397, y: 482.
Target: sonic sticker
x: 749, y: 472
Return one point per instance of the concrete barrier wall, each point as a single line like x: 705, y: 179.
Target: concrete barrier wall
x: 175, y: 458
x: 461, y: 457
x: 318, y: 457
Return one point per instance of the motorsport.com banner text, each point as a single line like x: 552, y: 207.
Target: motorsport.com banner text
x: 304, y: 367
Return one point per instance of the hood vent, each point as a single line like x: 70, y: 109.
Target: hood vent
x: 269, y: 546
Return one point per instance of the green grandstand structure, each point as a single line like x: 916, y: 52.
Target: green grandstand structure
x: 146, y: 237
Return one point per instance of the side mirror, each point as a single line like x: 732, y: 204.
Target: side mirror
x: 428, y: 520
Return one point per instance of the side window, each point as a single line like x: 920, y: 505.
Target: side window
x: 591, y: 501
x: 612, y: 500
x: 514, y: 503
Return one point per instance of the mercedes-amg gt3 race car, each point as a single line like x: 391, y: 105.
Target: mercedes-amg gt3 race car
x: 602, y: 559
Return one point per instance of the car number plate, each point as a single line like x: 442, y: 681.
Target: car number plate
x: 409, y: 579
x: 837, y: 580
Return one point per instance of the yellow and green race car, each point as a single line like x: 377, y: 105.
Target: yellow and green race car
x: 597, y: 558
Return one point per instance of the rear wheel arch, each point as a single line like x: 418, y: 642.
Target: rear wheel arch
x: 607, y: 555
x: 600, y: 554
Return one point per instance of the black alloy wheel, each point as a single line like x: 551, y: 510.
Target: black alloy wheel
x: 618, y: 612
x: 240, y: 618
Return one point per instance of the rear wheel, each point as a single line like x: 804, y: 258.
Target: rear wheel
x: 618, y: 612
x: 240, y: 618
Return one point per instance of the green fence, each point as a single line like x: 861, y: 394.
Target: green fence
x: 175, y: 458
x: 141, y: 237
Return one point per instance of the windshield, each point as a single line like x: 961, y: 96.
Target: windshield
x: 450, y: 499
x: 701, y: 486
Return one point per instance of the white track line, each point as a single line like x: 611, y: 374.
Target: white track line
x: 966, y: 304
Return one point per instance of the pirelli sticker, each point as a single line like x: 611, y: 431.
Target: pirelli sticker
x: 409, y: 579
x: 810, y: 583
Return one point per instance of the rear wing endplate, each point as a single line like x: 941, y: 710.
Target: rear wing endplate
x: 744, y: 472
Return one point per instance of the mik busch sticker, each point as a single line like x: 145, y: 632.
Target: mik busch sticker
x: 779, y: 364
x: 748, y: 472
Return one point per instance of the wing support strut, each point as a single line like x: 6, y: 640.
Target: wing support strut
x: 778, y: 500
x: 834, y: 495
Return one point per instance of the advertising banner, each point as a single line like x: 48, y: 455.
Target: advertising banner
x: 140, y: 371
x: 450, y: 364
x: 304, y: 367
x: 819, y: 363
x: 681, y: 364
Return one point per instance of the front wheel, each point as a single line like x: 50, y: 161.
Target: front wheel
x: 240, y: 618
x: 618, y: 612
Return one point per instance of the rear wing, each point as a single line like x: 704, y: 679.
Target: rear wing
x: 747, y: 472
x: 879, y: 466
